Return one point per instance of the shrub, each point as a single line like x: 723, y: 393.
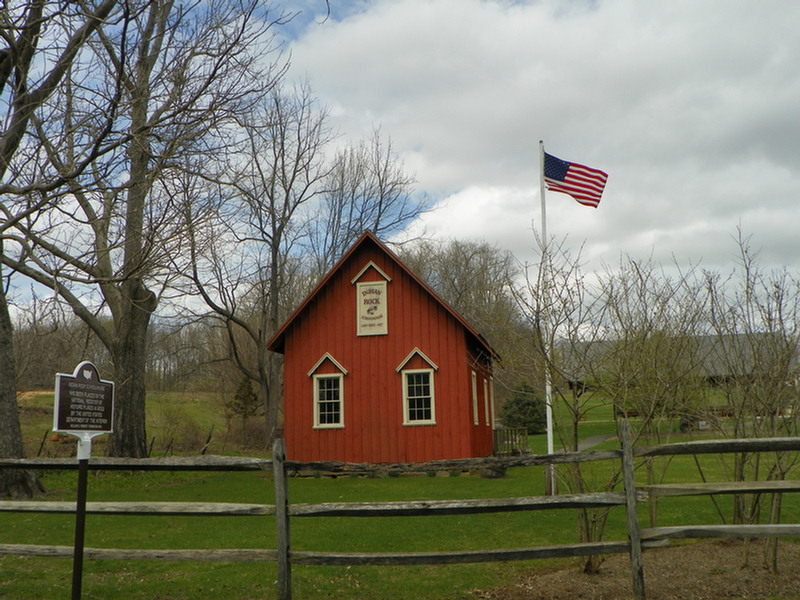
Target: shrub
x: 245, y: 404
x: 525, y: 409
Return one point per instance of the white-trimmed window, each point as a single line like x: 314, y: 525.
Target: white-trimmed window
x: 419, y: 398
x: 328, y: 393
x: 419, y: 406
x: 491, y: 402
x: 328, y: 401
x: 486, y: 401
x: 475, y: 417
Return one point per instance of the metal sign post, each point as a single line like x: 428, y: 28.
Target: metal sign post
x: 84, y: 408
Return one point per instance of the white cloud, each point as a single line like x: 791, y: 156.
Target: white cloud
x: 691, y: 107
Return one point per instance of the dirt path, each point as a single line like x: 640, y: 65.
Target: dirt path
x: 697, y: 570
x: 594, y: 440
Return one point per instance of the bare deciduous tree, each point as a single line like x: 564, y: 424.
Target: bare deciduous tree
x: 367, y: 188
x: 755, y: 317
x: 622, y: 340
x: 33, y: 63
x: 480, y: 282
x: 273, y: 244
x: 243, y: 267
x: 566, y: 322
x: 654, y: 354
x: 159, y: 83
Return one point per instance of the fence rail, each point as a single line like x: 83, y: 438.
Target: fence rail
x: 510, y: 442
x: 100, y: 463
x: 283, y: 511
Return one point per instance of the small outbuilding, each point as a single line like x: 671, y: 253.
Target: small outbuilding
x: 379, y: 369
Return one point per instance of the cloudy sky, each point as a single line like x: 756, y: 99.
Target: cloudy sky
x: 692, y: 108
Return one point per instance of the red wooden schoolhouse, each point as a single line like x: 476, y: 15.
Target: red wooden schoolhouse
x: 379, y: 369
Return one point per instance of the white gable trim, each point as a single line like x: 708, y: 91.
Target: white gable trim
x: 325, y: 357
x: 364, y: 270
x: 421, y: 354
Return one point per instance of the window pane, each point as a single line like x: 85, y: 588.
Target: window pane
x: 328, y: 399
x: 418, y: 392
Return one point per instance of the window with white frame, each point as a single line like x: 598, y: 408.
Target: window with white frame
x: 475, y: 398
x: 491, y: 402
x: 418, y: 397
x: 328, y: 401
x: 486, y: 401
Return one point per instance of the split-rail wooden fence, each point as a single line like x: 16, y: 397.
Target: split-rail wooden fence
x: 638, y: 539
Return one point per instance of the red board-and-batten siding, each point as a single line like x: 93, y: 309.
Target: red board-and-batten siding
x: 372, y: 387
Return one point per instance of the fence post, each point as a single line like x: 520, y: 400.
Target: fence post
x: 282, y: 519
x: 632, y: 518
x: 80, y: 528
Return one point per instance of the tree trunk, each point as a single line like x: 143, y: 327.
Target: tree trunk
x: 13, y: 482
x: 738, y: 499
x: 770, y: 560
x: 273, y: 394
x: 130, y: 356
x: 652, y: 503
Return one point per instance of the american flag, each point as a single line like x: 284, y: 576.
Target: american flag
x: 582, y: 183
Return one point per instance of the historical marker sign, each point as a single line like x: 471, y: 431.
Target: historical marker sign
x: 84, y: 407
x: 83, y: 403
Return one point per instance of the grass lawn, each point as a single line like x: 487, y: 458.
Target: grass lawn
x: 180, y: 422
x: 51, y: 578
x: 155, y: 579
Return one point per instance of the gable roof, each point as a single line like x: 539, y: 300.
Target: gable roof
x: 276, y: 342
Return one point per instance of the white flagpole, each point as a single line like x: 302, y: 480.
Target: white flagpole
x: 551, y: 471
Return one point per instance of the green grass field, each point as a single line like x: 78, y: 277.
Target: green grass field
x: 51, y: 578
x: 176, y: 423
